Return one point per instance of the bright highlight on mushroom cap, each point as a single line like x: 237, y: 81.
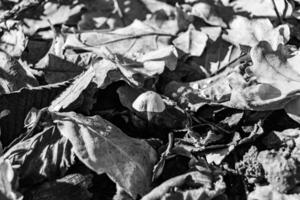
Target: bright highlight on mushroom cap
x: 149, y: 102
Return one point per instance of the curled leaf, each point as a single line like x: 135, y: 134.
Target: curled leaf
x: 104, y: 148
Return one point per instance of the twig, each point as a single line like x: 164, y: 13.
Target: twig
x: 18, y: 8
x: 277, y: 13
x: 119, y: 11
x: 127, y: 37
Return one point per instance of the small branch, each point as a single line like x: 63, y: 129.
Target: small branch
x: 277, y: 12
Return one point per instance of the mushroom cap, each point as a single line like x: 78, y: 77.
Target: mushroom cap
x: 149, y: 102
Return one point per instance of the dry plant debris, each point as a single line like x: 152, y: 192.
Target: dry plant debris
x: 150, y: 100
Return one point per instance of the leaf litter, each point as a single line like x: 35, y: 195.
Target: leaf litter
x: 150, y: 99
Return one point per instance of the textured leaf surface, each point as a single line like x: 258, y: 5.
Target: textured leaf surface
x: 45, y: 156
x: 104, y: 148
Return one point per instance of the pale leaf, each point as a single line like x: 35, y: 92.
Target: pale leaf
x: 192, y: 42
x: 264, y: 8
x: 104, y: 148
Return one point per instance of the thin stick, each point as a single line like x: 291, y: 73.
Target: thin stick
x: 277, y: 13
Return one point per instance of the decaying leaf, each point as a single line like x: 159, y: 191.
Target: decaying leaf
x: 104, y: 148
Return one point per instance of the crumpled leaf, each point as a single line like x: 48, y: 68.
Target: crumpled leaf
x: 209, y: 13
x: 204, y: 186
x: 16, y: 105
x: 131, y: 41
x: 13, y: 41
x: 104, y: 148
x: 269, y: 84
x: 72, y: 93
x: 7, y: 185
x: 268, y: 193
x: 45, y: 156
x: 265, y: 8
x: 244, y: 31
x: 135, y: 72
x: 171, y: 20
x: 111, y: 14
x: 192, y: 42
x: 53, y: 11
x: 71, y: 187
x: 13, y: 75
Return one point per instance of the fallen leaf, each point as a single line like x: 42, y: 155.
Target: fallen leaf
x: 45, y: 156
x: 191, y: 42
x: 104, y: 148
x: 72, y: 93
x: 265, y: 8
x: 13, y: 40
x: 7, y: 187
x: 244, y: 31
x: 50, y: 11
x: 131, y: 41
x: 275, y: 82
x: 209, y: 13
x: 111, y: 14
x: 206, y: 188
x: 19, y: 103
x: 13, y: 75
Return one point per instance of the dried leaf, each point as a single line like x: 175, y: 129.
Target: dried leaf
x: 7, y: 187
x: 104, y: 148
x: 52, y: 11
x: 249, y: 32
x: 14, y: 76
x: 209, y: 13
x: 131, y: 41
x: 203, y: 181
x: 192, y: 42
x: 265, y: 8
x: 13, y: 41
x: 111, y: 14
x: 73, y: 91
x: 274, y: 81
x: 18, y: 104
x: 45, y: 156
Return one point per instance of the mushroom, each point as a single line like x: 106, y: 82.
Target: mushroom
x: 149, y: 102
